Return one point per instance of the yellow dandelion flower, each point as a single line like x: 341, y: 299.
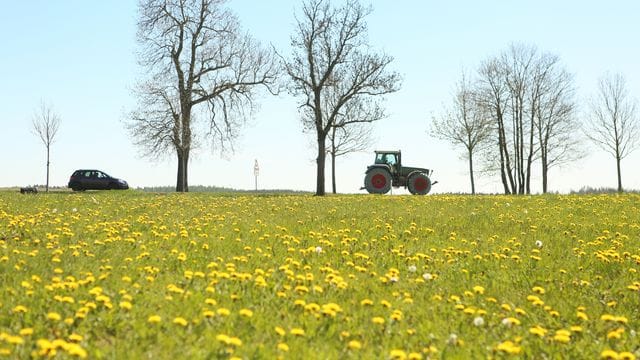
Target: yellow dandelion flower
x: 397, y: 354
x: 354, y: 345
x: 510, y: 321
x: 76, y: 350
x: 626, y: 355
x: 125, y: 305
x: 75, y: 337
x: 582, y: 316
x: 366, y: 302
x: 154, y: 319
x: 223, y: 312
x: 607, y: 317
x: 14, y: 340
x: 297, y: 332
x: 538, y: 330
x: 378, y: 320
x: 576, y: 328
x: 562, y: 336
x: 609, y: 355
x: 246, y: 313
x: 54, y: 316
x: 26, y: 332
x: 210, y: 301
x: 180, y: 321
x: 225, y: 339
x: 280, y: 331
x: 235, y: 341
x: 615, y: 334
x: 283, y: 347
x: 208, y: 314
x: 478, y: 289
x: 509, y: 347
x: 621, y: 320
x: 20, y: 309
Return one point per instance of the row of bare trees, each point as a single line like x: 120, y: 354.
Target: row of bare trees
x: 521, y: 108
x: 204, y: 74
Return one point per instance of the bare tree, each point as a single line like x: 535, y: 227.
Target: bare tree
x: 331, y: 66
x: 555, y: 119
x: 345, y: 140
x: 464, y: 124
x: 493, y: 96
x: 45, y: 125
x: 614, y: 125
x: 203, y: 76
x: 529, y: 97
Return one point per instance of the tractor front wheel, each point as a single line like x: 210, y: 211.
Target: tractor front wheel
x: 419, y: 184
x: 377, y: 181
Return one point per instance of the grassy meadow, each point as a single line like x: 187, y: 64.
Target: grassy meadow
x: 130, y: 275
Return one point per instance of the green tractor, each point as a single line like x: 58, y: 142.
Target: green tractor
x: 388, y: 171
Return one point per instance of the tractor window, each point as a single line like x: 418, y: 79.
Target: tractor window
x: 386, y: 159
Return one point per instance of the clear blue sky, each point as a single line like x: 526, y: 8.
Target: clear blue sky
x: 79, y: 56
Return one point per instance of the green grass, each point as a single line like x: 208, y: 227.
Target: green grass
x: 360, y: 276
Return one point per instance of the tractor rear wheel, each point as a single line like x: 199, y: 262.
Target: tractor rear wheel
x: 377, y: 181
x: 419, y: 184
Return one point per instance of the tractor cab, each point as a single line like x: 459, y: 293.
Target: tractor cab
x: 391, y: 158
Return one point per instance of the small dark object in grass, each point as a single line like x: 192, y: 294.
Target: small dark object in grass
x: 29, y: 190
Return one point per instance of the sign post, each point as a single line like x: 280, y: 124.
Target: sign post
x: 256, y: 171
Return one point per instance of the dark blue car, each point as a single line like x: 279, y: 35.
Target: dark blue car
x: 95, y: 180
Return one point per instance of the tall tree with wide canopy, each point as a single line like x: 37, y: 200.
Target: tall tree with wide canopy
x: 331, y: 66
x: 203, y: 76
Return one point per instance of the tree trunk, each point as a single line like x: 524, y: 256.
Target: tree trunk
x: 47, y: 185
x: 545, y: 170
x: 333, y: 172
x: 473, y: 186
x: 180, y: 180
x: 505, y: 164
x: 619, y: 174
x: 530, y: 155
x: 183, y: 161
x: 322, y: 153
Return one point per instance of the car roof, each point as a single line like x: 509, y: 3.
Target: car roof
x: 387, y: 151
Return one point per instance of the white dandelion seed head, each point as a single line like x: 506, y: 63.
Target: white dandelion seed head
x: 412, y: 268
x: 318, y: 249
x: 394, y: 279
x: 538, y: 244
x: 478, y: 321
x: 427, y: 276
x: 507, y: 322
x: 453, y: 339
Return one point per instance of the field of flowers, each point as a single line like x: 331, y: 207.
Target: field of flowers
x: 130, y: 275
